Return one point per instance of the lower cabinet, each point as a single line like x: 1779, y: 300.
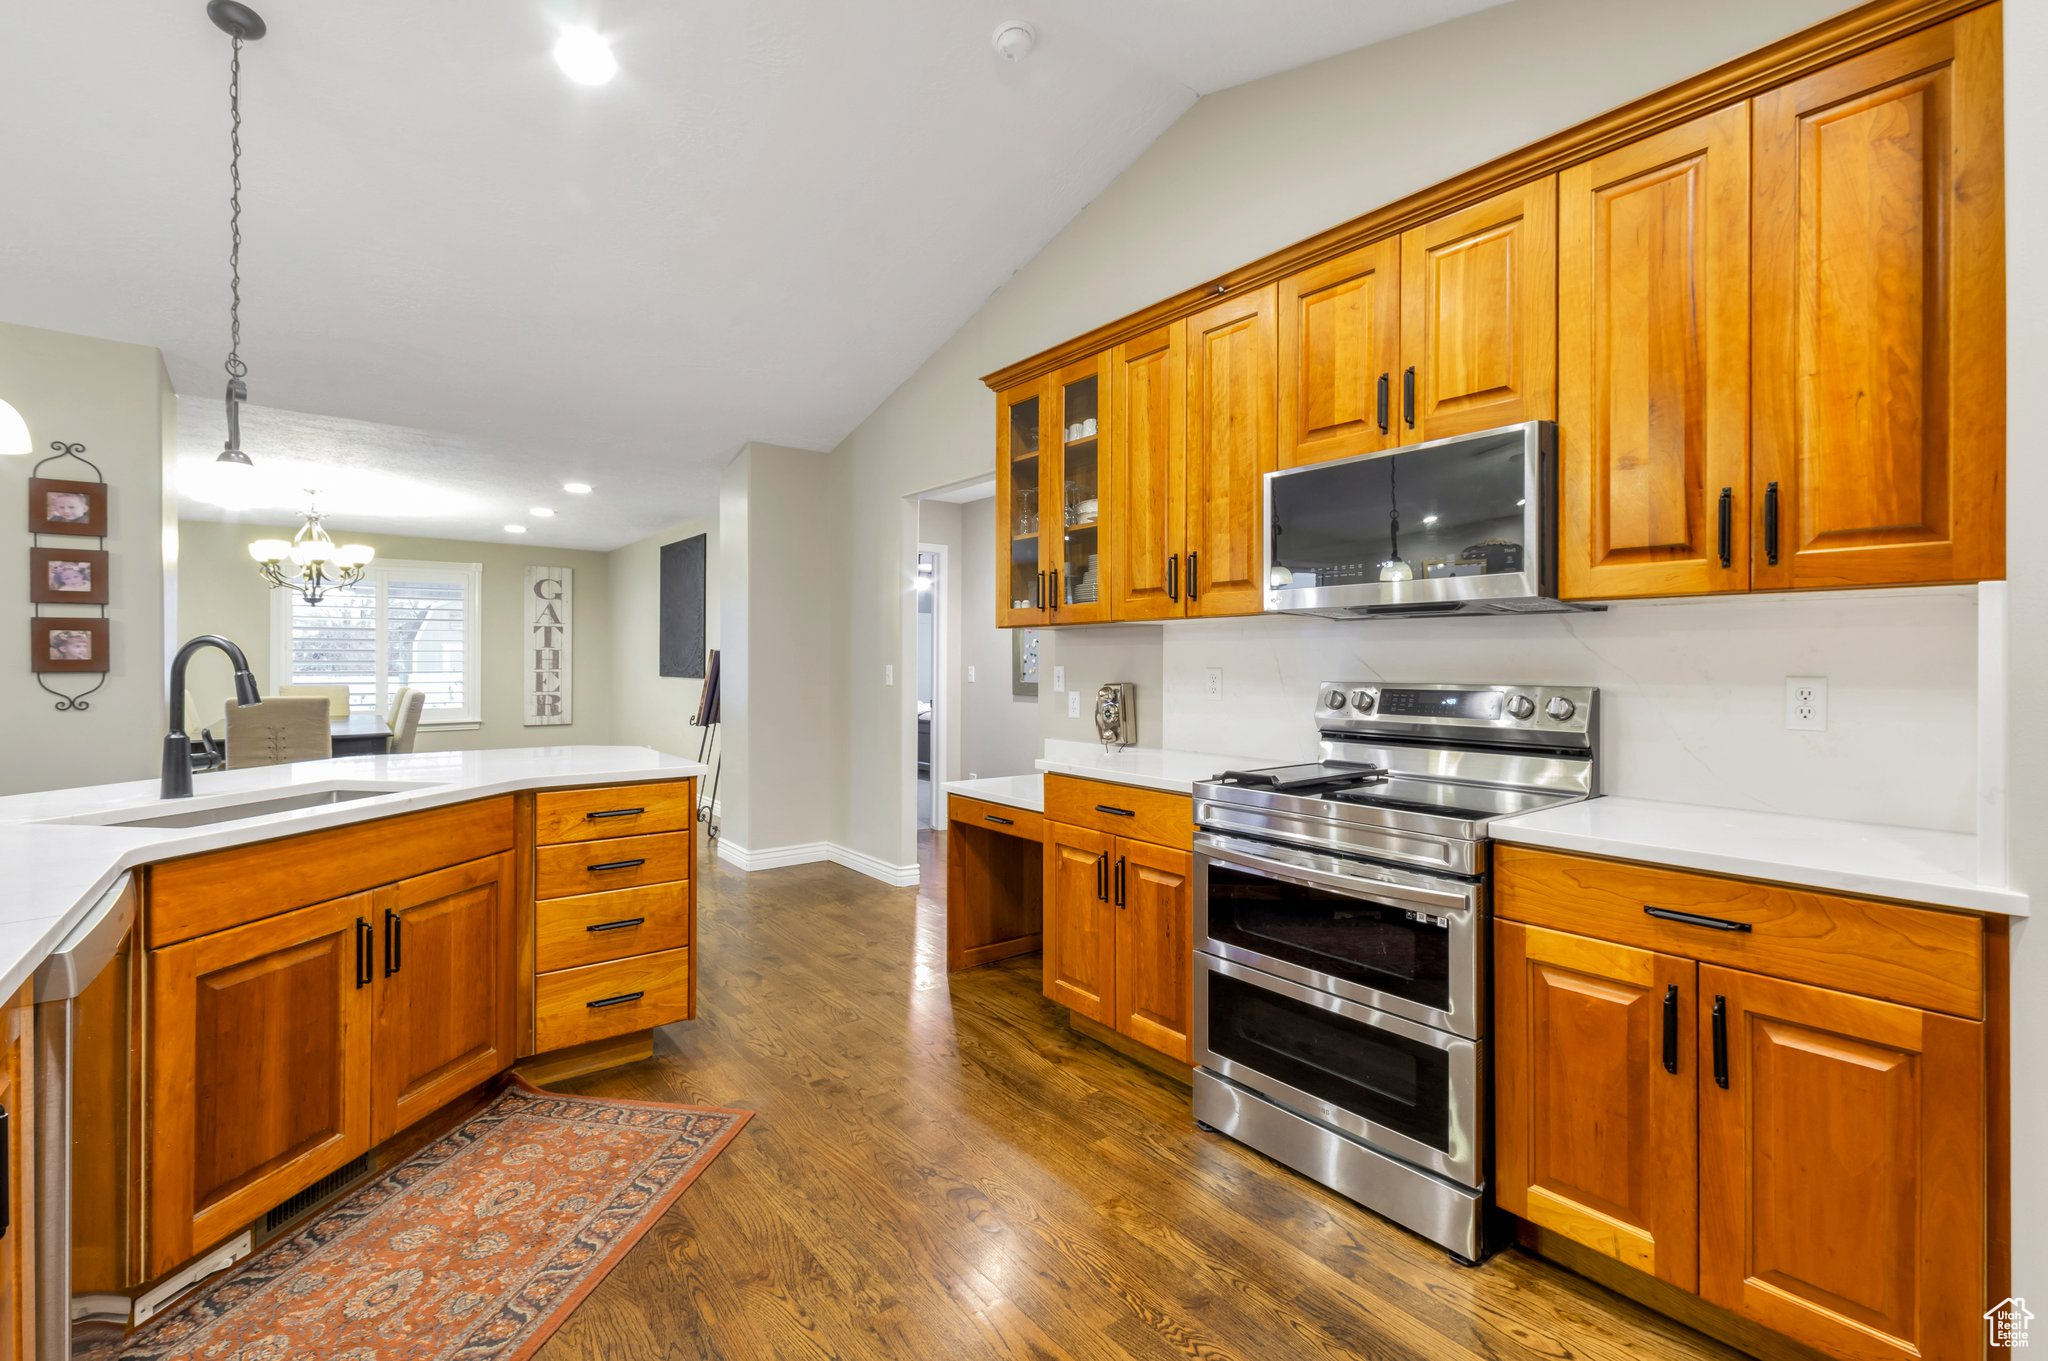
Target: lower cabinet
x: 17, y: 1167
x: 1118, y: 921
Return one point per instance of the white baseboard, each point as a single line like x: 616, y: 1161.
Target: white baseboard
x: 810, y: 853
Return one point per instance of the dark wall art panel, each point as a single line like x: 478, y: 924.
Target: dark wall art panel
x: 682, y: 608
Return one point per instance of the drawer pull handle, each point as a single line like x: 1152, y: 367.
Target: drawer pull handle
x: 1000, y: 822
x: 1694, y: 919
x: 620, y: 925
x: 616, y: 865
x: 614, y: 813
x: 620, y: 1000
x: 1114, y: 812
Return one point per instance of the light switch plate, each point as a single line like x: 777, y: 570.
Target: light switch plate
x: 888, y: 673
x: 1059, y: 679
x: 1806, y: 703
x: 1073, y: 704
x: 970, y: 675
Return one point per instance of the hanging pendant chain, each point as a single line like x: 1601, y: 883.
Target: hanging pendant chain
x: 235, y: 367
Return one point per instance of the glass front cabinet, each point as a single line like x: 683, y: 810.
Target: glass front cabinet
x: 1051, y: 479
x: 1027, y: 462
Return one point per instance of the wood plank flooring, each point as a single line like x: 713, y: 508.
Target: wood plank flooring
x: 945, y: 1170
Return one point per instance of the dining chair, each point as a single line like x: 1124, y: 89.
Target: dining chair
x: 335, y: 695
x: 405, y: 717
x: 279, y: 730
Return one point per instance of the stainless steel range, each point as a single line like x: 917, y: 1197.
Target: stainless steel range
x: 1341, y: 938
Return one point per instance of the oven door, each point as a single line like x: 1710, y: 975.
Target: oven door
x: 1405, y: 1089
x: 1392, y: 939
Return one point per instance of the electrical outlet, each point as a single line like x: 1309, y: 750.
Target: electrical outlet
x: 1059, y: 679
x: 1073, y: 704
x: 888, y: 673
x: 970, y: 675
x: 1806, y: 703
x: 1215, y: 690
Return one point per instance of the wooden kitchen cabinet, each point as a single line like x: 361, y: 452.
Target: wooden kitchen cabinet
x: 1153, y: 969
x: 1841, y: 1167
x: 1653, y: 364
x: 17, y: 1149
x: 1340, y: 356
x: 1082, y: 498
x: 1079, y: 937
x: 1147, y: 532
x: 259, y: 1071
x: 1232, y: 443
x: 1479, y: 316
x: 1023, y: 448
x: 445, y: 989
x: 1595, y: 1096
x: 1878, y: 426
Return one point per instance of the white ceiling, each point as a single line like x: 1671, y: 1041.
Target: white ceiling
x: 773, y: 215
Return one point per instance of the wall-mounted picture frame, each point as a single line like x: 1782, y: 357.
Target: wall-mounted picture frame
x: 1024, y: 663
x: 62, y: 645
x: 58, y: 506
x: 67, y: 576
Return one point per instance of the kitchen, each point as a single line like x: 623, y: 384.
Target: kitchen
x: 1685, y: 702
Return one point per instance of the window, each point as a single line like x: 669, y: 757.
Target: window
x: 404, y: 624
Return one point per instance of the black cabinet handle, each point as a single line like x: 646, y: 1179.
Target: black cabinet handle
x: 615, y: 865
x: 1038, y: 599
x: 1102, y: 876
x: 1386, y: 384
x: 615, y: 813
x: 1000, y: 822
x: 1694, y: 919
x: 1721, y: 1042
x: 394, y: 942
x: 6, y: 1171
x: 1173, y: 576
x: 1671, y: 1028
x: 1771, y: 524
x: 1054, y: 595
x: 1194, y: 582
x: 1114, y: 811
x: 1408, y: 396
x: 620, y: 1000
x: 1727, y: 526
x: 622, y: 924
x: 363, y: 968
x: 1119, y: 881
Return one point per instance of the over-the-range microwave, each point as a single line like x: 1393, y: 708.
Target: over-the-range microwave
x: 1464, y: 525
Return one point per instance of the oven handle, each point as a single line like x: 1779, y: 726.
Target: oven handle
x: 1230, y: 851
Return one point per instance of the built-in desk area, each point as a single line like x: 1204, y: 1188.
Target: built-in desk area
x: 994, y: 869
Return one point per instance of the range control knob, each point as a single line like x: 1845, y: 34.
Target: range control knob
x: 1520, y: 706
x: 1333, y: 699
x: 1361, y: 700
x: 1560, y: 708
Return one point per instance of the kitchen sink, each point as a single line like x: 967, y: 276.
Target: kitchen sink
x: 227, y: 809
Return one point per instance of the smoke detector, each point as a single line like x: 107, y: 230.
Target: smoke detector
x: 1014, y: 39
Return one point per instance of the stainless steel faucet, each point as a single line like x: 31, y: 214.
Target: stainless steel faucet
x: 177, y: 772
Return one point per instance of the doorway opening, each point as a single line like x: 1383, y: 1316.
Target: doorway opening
x: 930, y: 644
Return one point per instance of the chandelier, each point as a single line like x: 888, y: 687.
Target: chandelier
x: 311, y: 563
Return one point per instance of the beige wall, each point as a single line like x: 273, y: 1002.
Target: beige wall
x: 116, y: 400
x: 650, y: 709
x: 219, y: 592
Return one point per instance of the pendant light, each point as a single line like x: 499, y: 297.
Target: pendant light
x: 232, y: 477
x: 1396, y: 567
x: 303, y: 564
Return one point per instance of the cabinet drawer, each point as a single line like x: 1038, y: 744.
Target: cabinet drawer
x: 616, y: 810
x: 1122, y: 810
x: 593, y: 927
x: 600, y: 866
x: 598, y: 1001
x: 1914, y: 955
x: 996, y: 817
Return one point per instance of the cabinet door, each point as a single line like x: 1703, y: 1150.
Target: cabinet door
x: 1148, y: 471
x: 444, y: 990
x: 1653, y: 371
x: 1231, y: 447
x: 259, y: 1073
x: 1879, y: 314
x: 1340, y: 353
x: 1023, y: 423
x: 1595, y: 1079
x: 18, y: 1244
x: 1154, y: 892
x: 1842, y: 1151
x: 1073, y: 534
x: 1479, y: 316
x: 1079, y: 943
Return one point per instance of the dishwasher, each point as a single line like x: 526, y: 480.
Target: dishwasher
x: 84, y: 1014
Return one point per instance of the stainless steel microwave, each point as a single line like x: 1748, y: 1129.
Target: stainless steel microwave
x: 1465, y: 525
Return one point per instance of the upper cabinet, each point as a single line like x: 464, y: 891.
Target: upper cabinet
x: 1479, y: 316
x: 1878, y: 302
x: 1080, y: 496
x: 1148, y: 415
x: 1023, y: 417
x: 1231, y: 447
x: 1340, y: 353
x: 1653, y: 364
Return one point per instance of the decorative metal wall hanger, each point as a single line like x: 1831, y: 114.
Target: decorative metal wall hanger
x: 67, y: 577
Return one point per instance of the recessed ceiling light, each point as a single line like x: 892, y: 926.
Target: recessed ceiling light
x: 585, y: 57
x: 515, y: 529
x: 1429, y: 519
x: 576, y: 488
x: 539, y: 512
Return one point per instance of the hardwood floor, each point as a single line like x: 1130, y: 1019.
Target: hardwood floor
x: 946, y: 1170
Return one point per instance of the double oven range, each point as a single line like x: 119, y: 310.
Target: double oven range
x: 1342, y: 936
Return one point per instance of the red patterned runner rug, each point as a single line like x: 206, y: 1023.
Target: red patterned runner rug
x: 476, y: 1248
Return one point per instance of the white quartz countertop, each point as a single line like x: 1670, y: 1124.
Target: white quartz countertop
x: 58, y: 870
x: 1012, y: 791
x: 1176, y: 772
x: 1903, y: 863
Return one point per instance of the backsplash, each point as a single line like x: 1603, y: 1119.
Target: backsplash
x: 1692, y: 693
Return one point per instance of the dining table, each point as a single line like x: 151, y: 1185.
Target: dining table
x: 360, y: 735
